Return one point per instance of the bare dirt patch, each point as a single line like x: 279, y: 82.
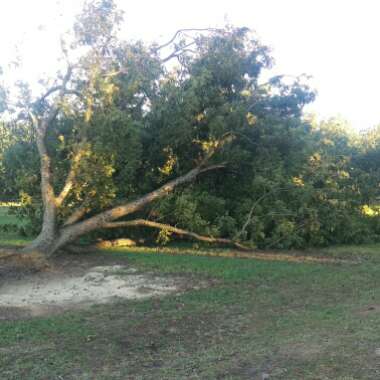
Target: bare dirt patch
x: 78, y: 285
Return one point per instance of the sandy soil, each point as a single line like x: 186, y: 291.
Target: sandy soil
x: 65, y: 288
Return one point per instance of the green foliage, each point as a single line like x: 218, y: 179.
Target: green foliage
x: 287, y: 182
x: 96, y: 23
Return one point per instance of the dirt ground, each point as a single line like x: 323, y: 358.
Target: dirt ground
x: 77, y: 281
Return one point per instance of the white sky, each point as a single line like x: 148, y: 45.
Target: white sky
x: 335, y: 41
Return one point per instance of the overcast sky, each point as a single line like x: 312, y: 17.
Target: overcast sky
x: 335, y: 41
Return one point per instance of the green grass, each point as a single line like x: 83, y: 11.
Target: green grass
x: 363, y: 252
x: 287, y: 319
x: 294, y: 321
x: 10, y: 238
x: 5, y: 218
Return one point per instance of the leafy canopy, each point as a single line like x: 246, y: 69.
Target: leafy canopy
x: 140, y: 117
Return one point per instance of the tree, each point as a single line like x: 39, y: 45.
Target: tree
x: 119, y: 131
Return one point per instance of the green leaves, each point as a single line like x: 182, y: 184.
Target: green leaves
x: 97, y: 23
x: 286, y: 182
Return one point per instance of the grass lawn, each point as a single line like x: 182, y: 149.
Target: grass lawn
x: 5, y: 218
x: 258, y: 319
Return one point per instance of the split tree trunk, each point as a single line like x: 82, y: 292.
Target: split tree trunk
x: 51, y: 238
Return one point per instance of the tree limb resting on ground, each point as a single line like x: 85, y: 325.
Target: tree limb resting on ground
x: 175, y: 230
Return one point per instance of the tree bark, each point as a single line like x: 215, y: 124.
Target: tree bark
x: 52, y: 237
x: 71, y: 232
x: 176, y: 230
x: 46, y: 237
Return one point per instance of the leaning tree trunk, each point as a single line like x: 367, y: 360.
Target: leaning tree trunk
x: 45, y: 242
x: 53, y: 237
x: 46, y: 238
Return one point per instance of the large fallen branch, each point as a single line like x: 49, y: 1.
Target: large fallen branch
x: 175, y: 230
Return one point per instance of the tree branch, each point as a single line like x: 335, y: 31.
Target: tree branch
x: 48, y: 93
x: 250, y: 214
x: 77, y: 215
x: 34, y: 119
x: 213, y: 167
x: 52, y: 114
x: 175, y: 230
x: 72, y: 231
x: 176, y: 52
x: 50, y: 201
x: 70, y: 178
x: 41, y: 125
x: 180, y: 31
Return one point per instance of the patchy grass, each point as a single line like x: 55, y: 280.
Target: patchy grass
x: 365, y: 252
x: 287, y: 319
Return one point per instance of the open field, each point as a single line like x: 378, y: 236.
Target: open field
x: 254, y: 319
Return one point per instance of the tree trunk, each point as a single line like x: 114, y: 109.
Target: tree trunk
x: 176, y: 230
x: 52, y: 239
x: 44, y: 243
